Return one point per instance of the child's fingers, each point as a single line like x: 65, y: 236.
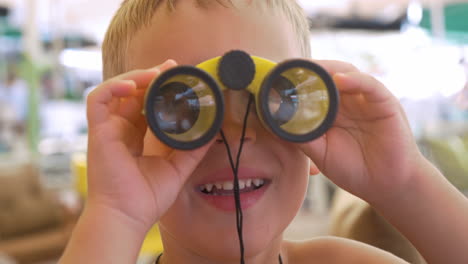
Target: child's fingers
x: 185, y: 162
x: 131, y: 108
x: 360, y: 83
x: 101, y: 99
x: 333, y: 67
x: 123, y: 86
x: 181, y: 162
x: 167, y: 175
x: 167, y: 65
x: 143, y: 78
x: 316, y: 151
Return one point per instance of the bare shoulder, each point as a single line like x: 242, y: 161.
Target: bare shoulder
x: 336, y: 250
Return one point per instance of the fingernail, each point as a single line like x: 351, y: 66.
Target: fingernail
x: 155, y: 69
x: 129, y: 82
x: 340, y: 75
x: 158, y: 68
x: 170, y: 61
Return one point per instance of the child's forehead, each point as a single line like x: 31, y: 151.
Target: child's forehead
x: 192, y: 34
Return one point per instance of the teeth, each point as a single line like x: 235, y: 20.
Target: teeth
x: 241, y: 184
x: 258, y: 182
x: 229, y: 185
x: 209, y: 187
x: 248, y: 183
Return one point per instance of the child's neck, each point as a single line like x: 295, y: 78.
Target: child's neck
x: 175, y: 254
x: 159, y: 259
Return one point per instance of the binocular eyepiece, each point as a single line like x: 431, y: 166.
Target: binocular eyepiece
x: 296, y: 99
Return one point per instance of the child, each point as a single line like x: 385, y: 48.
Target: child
x: 136, y: 181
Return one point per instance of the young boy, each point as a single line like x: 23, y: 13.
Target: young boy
x: 136, y: 181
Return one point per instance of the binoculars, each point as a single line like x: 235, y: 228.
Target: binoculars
x: 296, y: 100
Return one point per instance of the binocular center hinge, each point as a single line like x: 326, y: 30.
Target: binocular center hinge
x: 236, y: 70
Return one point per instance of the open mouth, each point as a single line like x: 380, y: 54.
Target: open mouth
x: 227, y: 188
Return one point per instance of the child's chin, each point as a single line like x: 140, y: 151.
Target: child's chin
x: 226, y: 249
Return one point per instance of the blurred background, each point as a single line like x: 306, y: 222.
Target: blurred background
x: 50, y: 58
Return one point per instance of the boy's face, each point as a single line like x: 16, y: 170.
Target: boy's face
x: 204, y: 224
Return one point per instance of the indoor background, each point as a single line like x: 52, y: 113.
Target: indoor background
x: 50, y: 59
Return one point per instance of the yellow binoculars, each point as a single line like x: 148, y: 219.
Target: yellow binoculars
x: 296, y: 99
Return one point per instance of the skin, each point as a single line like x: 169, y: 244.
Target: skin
x: 284, y: 162
x: 369, y: 152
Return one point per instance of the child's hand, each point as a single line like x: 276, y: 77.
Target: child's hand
x: 370, y: 150
x: 140, y: 188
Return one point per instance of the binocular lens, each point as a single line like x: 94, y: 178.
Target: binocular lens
x: 182, y: 109
x: 298, y: 101
x: 305, y: 101
x: 282, y: 100
x: 176, y: 108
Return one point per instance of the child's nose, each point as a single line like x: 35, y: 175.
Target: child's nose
x: 236, y: 103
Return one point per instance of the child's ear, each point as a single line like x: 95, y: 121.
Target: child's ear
x: 152, y: 146
x: 313, y: 170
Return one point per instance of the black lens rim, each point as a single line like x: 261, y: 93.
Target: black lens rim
x: 152, y: 120
x: 332, y: 93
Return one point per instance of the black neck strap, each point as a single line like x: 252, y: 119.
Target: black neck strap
x: 235, y: 170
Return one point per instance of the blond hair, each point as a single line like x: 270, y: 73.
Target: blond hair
x: 135, y: 14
